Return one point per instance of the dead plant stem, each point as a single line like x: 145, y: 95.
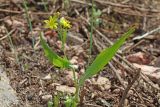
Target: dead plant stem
x: 124, y: 95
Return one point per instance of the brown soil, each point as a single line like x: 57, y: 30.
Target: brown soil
x: 23, y: 59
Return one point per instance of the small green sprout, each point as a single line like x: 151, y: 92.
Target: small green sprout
x: 70, y: 102
x: 96, y: 17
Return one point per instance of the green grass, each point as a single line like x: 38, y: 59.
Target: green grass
x: 28, y: 20
x: 12, y: 45
x: 91, y: 33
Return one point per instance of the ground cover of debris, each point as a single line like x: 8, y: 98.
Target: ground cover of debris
x: 131, y: 79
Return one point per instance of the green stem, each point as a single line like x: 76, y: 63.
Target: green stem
x: 91, y: 34
x: 45, y: 5
x: 76, y: 85
x: 13, y: 47
x: 62, y: 37
x: 28, y: 20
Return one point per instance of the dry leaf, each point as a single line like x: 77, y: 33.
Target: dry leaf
x: 139, y: 58
x: 151, y: 71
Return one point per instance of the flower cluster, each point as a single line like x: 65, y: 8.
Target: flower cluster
x: 53, y: 22
x: 65, y: 23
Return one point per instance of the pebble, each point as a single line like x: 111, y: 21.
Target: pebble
x: 46, y: 97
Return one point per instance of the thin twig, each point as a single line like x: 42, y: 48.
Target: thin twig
x: 142, y: 10
x: 11, y: 11
x: 91, y: 105
x: 140, y: 97
x: 9, y: 33
x: 127, y: 6
x: 12, y: 45
x: 103, y: 36
x: 144, y: 77
x: 21, y: 12
x: 118, y: 5
x: 121, y: 104
x: 128, y: 49
x: 148, y: 33
x: 147, y: 80
x: 50, y: 13
x: 117, y: 74
x: 82, y: 2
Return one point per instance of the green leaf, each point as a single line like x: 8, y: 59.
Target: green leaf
x: 104, y: 57
x: 70, y: 102
x: 56, y: 101
x: 50, y: 104
x: 53, y: 57
x: 96, y: 13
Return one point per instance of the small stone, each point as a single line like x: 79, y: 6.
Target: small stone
x: 74, y: 60
x: 2, y: 30
x: 17, y: 23
x: 116, y: 91
x: 74, y: 66
x: 139, y: 58
x: 82, y: 71
x: 158, y: 101
x: 70, y: 78
x: 103, y: 83
x: 46, y: 97
x: 47, y: 77
x: 59, y: 44
x: 93, y: 95
x: 8, y: 22
x: 126, y: 103
x: 30, y: 97
x: 40, y: 92
x: 102, y: 80
x: 55, y: 84
x: 130, y: 92
x: 66, y: 89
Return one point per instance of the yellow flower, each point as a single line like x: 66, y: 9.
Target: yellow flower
x: 65, y: 23
x: 52, y: 23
